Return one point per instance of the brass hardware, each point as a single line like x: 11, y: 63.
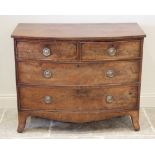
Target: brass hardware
x: 112, y: 51
x: 47, y: 74
x: 46, y: 52
x: 47, y: 99
x: 109, y: 99
x: 110, y: 73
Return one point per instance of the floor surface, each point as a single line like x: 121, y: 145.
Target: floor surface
x: 119, y: 127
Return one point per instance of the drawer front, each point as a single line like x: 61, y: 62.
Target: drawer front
x: 110, y: 50
x: 78, y: 74
x: 55, y: 51
x: 73, y: 99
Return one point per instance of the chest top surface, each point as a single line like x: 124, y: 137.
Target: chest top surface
x: 78, y: 31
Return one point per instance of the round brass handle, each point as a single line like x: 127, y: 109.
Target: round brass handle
x: 109, y: 99
x: 47, y: 99
x: 112, y: 51
x: 110, y: 73
x: 46, y: 52
x: 47, y: 74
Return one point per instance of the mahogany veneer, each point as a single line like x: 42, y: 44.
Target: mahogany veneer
x: 78, y: 72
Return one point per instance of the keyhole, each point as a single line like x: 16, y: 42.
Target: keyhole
x: 77, y: 65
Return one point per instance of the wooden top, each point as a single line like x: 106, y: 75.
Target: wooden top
x: 78, y: 31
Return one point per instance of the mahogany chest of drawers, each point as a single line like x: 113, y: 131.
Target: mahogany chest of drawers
x: 78, y: 72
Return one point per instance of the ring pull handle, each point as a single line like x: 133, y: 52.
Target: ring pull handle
x: 110, y: 73
x: 47, y: 99
x: 109, y: 99
x: 47, y: 73
x: 46, y: 52
x: 111, y: 51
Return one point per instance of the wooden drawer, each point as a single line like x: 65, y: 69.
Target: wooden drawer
x: 74, y: 99
x: 110, y: 50
x: 78, y: 74
x: 55, y: 51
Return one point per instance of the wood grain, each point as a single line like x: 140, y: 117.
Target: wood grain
x: 60, y: 50
x: 75, y: 99
x: 99, y: 50
x: 78, y: 31
x: 79, y: 84
x: 78, y: 117
x: 78, y: 74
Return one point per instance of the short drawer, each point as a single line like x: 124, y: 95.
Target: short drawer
x: 74, y: 99
x: 110, y: 50
x: 78, y: 74
x: 55, y: 51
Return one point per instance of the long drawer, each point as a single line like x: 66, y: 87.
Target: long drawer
x: 78, y: 74
x: 78, y: 99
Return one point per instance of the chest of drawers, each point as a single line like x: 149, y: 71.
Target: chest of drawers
x: 78, y: 72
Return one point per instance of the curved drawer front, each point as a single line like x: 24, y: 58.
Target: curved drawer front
x: 110, y: 50
x: 55, y: 51
x: 73, y: 99
x: 78, y: 74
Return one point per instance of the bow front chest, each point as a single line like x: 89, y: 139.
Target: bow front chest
x: 78, y: 72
